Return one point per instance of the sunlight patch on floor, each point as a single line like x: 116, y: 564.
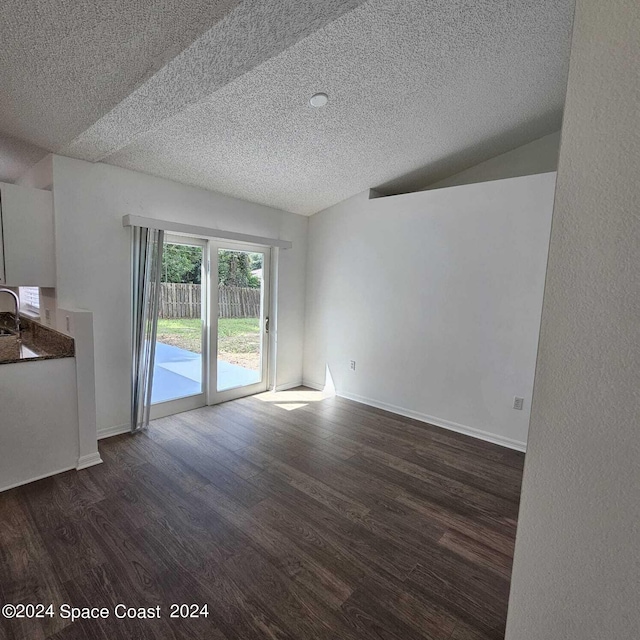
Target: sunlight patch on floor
x: 291, y: 406
x: 304, y: 395
x: 291, y: 400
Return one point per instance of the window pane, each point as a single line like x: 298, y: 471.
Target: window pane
x: 30, y: 298
x: 178, y: 365
x: 240, y: 296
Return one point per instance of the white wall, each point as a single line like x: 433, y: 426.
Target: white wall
x: 539, y: 156
x: 577, y: 563
x: 38, y: 420
x: 80, y: 326
x: 39, y: 175
x: 437, y: 297
x: 93, y: 261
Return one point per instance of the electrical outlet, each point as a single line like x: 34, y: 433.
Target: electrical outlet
x: 47, y: 316
x: 352, y: 365
x: 518, y: 403
x: 67, y: 320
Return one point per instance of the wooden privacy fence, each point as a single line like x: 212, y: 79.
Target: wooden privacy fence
x: 238, y: 302
x: 180, y: 300
x: 185, y: 300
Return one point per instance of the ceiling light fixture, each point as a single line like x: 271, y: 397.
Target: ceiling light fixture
x: 319, y: 100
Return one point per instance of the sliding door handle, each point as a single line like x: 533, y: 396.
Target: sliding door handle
x: 266, y: 324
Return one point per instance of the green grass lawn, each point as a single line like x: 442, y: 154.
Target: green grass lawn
x: 238, y: 338
x: 229, y: 327
x: 185, y: 333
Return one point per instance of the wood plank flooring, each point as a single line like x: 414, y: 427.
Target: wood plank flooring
x: 293, y: 517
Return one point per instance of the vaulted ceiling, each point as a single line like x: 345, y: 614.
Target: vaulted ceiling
x: 216, y: 94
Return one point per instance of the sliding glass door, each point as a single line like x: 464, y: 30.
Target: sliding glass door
x: 239, y: 332
x: 212, y: 339
x: 180, y: 368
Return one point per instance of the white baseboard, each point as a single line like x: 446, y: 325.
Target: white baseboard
x: 289, y: 385
x: 408, y: 413
x: 438, y: 422
x: 313, y: 385
x: 41, y: 477
x: 89, y: 460
x: 118, y: 430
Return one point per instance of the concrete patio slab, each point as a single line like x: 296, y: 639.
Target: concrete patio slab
x: 178, y: 374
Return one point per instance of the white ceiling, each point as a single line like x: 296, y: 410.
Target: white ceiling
x: 65, y: 63
x: 217, y: 96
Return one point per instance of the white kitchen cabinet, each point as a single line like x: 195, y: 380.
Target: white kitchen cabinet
x: 38, y: 420
x: 27, y: 256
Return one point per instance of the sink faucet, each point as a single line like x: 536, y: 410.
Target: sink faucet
x: 17, y: 303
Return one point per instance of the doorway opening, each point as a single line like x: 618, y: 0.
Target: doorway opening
x: 213, y: 324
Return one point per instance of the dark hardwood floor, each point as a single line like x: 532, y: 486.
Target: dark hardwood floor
x: 295, y: 519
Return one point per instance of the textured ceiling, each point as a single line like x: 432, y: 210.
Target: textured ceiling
x: 65, y: 63
x: 254, y: 32
x: 419, y: 89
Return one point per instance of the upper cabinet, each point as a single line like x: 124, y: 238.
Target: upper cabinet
x: 27, y: 257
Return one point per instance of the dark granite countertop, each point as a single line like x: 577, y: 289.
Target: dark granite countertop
x: 38, y: 342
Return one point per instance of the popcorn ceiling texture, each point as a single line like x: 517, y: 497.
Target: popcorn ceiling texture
x: 419, y: 90
x: 411, y: 84
x: 252, y: 33
x: 65, y: 63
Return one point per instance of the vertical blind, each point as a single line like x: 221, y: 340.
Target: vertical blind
x: 146, y: 258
